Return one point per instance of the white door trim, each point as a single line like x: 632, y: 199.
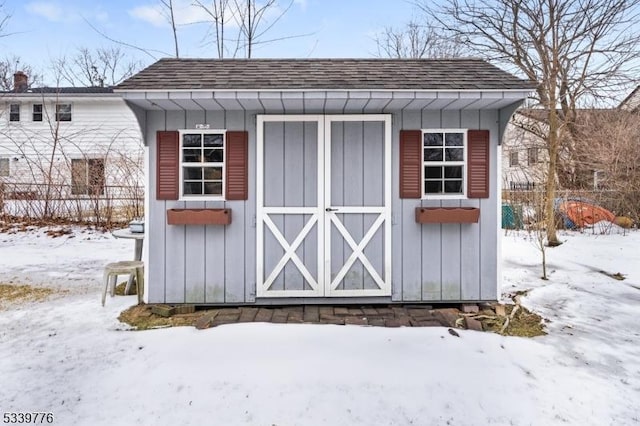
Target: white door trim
x: 384, y: 218
x: 262, y: 216
x: 323, y: 286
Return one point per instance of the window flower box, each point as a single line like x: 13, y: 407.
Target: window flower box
x: 199, y: 216
x: 447, y: 214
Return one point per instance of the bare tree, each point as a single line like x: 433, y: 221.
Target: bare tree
x: 417, y: 41
x: 238, y: 26
x: 574, y: 49
x: 105, y: 66
x: 169, y: 15
x: 221, y: 12
x: 4, y: 19
x: 9, y: 66
x: 609, y: 157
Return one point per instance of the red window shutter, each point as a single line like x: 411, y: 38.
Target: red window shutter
x: 167, y: 165
x: 410, y: 164
x: 237, y: 147
x: 478, y: 164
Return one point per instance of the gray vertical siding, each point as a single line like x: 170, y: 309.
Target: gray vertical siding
x: 446, y: 262
x: 216, y: 264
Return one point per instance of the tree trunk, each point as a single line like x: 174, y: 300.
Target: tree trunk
x: 550, y: 186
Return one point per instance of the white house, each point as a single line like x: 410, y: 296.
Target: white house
x: 67, y: 145
x: 524, y: 155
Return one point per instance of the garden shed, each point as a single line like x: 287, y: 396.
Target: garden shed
x: 309, y: 181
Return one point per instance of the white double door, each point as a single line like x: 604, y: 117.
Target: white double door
x: 323, y: 205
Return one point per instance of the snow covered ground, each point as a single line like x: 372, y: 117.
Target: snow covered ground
x: 71, y: 357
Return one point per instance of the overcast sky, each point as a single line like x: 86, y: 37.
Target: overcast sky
x: 42, y: 30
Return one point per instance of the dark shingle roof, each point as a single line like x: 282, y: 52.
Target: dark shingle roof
x: 62, y: 90
x: 71, y: 90
x: 328, y: 74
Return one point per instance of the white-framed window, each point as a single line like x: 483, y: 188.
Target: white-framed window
x: 5, y: 167
x: 514, y: 158
x: 63, y: 112
x: 532, y: 156
x: 202, y: 155
x: 14, y: 112
x: 444, y: 163
x: 37, y: 112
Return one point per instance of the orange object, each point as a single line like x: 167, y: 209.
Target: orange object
x: 581, y: 213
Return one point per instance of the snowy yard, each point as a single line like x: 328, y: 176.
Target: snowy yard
x: 71, y: 357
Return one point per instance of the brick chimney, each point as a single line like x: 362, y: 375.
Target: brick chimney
x: 20, y: 82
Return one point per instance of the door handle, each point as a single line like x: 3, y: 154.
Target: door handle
x: 329, y: 209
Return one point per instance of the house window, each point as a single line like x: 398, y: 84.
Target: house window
x: 37, y: 112
x: 14, y: 112
x: 444, y: 162
x: 5, y: 169
x: 513, y: 159
x: 532, y: 156
x: 87, y: 176
x: 63, y: 112
x: 202, y: 163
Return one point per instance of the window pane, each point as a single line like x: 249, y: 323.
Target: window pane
x: 453, y: 172
x: 37, y: 108
x: 213, y: 140
x: 191, y: 155
x: 212, y: 173
x: 513, y: 158
x: 192, y: 173
x: 63, y: 112
x: 190, y: 140
x: 431, y: 154
x: 213, y: 188
x: 453, y: 187
x: 192, y: 188
x: 453, y: 139
x: 213, y: 155
x: 433, y: 172
x: 433, y: 139
x: 14, y: 112
x: 454, y: 154
x: 433, y: 187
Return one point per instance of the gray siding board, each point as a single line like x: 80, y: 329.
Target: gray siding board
x: 396, y: 208
x: 250, y: 213
x: 235, y: 264
x: 351, y: 176
x: 195, y: 261
x: 215, y: 259
x: 489, y: 215
x: 373, y: 195
x: 293, y: 194
x: 175, y: 242
x: 156, y: 217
